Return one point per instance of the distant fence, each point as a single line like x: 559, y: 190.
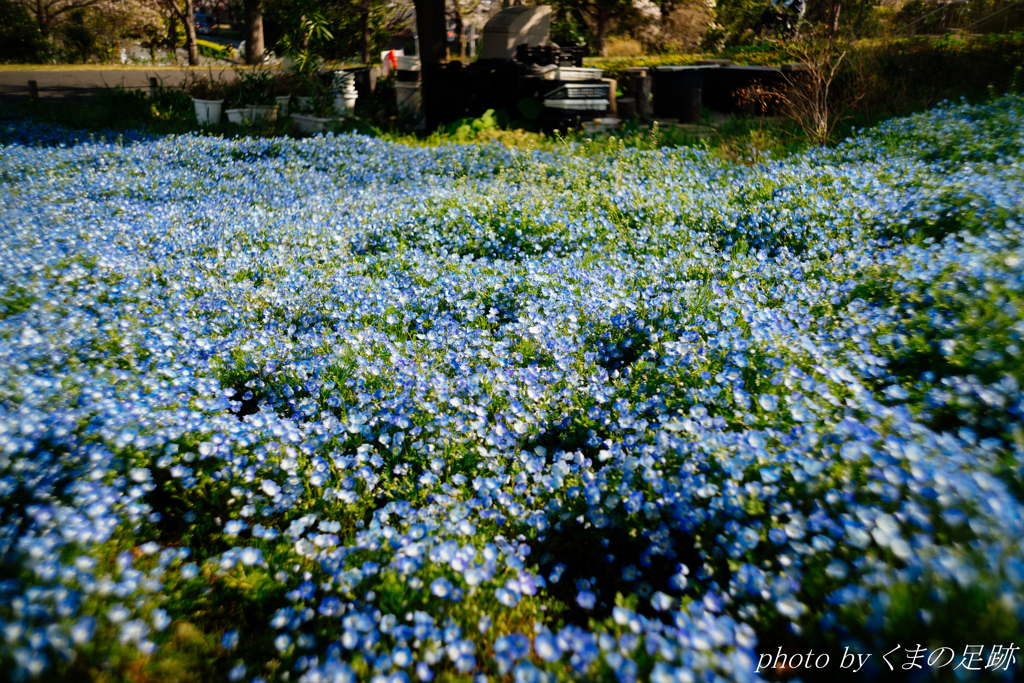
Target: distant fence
x: 32, y: 90
x: 76, y: 84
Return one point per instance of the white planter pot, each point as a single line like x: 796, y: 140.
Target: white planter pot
x: 208, y: 111
x: 311, y: 124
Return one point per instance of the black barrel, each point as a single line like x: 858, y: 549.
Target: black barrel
x: 677, y: 92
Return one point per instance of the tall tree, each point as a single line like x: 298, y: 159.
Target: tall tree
x: 185, y: 12
x: 364, y: 31
x: 432, y: 31
x: 254, y: 46
x: 433, y: 54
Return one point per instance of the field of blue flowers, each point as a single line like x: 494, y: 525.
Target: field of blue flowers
x: 339, y: 409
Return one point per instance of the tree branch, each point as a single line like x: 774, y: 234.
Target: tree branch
x: 79, y: 4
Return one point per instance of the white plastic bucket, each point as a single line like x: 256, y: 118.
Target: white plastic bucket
x: 208, y: 111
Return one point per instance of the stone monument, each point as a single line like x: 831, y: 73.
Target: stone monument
x: 512, y: 27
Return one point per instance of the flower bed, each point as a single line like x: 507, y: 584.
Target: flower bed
x: 340, y: 408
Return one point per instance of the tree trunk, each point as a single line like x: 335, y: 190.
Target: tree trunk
x: 601, y: 28
x: 172, y: 32
x: 253, y: 31
x: 364, y: 43
x: 190, y: 34
x: 430, y: 25
x: 433, y: 53
x: 460, y: 33
x: 665, y: 9
x: 42, y: 12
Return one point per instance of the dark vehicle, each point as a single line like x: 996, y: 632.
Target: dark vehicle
x: 205, y: 23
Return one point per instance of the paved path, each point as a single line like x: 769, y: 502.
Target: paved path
x: 54, y: 84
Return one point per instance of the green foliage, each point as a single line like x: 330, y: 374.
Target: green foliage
x: 305, y: 42
x: 734, y: 23
x: 340, y: 19
x: 567, y: 28
x: 474, y: 130
x: 905, y: 75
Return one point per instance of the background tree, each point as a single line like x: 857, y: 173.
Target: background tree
x: 460, y: 11
x: 50, y: 13
x: 848, y: 17
x: 675, y: 26
x: 184, y: 11
x: 364, y: 31
x: 114, y: 22
x: 733, y: 19
x: 598, y: 17
x: 432, y: 31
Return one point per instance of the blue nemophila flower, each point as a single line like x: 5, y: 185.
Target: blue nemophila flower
x: 229, y: 641
x: 133, y: 631
x: 118, y: 613
x: 364, y: 379
x: 234, y: 527
x: 83, y: 629
x: 159, y: 619
x: 586, y: 599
